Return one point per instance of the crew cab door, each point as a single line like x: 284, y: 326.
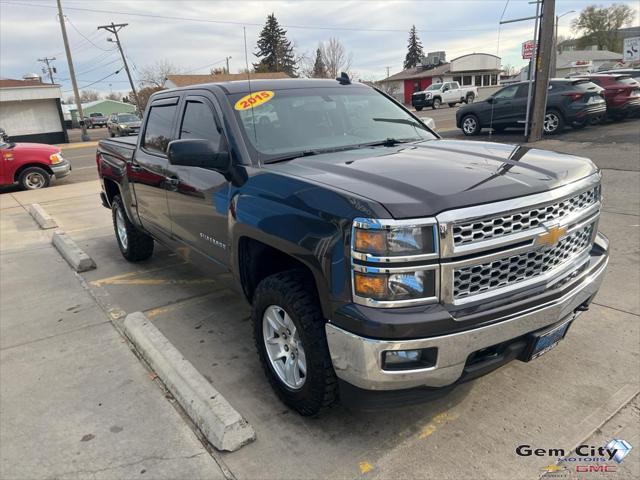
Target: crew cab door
x: 198, y: 197
x: 453, y: 94
x: 148, y: 169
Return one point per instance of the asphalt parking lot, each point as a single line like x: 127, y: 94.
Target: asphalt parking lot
x: 581, y: 391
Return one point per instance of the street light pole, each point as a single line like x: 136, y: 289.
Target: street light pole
x: 554, y: 58
x: 227, y: 60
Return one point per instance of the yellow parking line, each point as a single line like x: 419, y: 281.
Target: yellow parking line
x: 71, y: 146
x: 365, y: 467
x: 134, y: 278
x: 154, y: 312
x: 440, y: 419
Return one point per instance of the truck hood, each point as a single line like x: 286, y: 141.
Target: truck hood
x: 34, y: 148
x: 426, y: 178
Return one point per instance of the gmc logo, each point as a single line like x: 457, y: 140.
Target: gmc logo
x: 595, y: 468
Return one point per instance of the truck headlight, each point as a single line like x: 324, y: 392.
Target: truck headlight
x: 393, y: 240
x: 395, y: 285
x: 55, y: 158
x: 394, y: 262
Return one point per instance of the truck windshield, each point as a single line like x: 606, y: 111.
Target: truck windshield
x: 434, y: 86
x: 128, y: 118
x: 313, y: 120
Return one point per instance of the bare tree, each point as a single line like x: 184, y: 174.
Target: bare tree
x: 218, y: 71
x: 113, y: 96
x: 600, y: 26
x: 89, y: 96
x: 335, y: 57
x: 143, y: 96
x: 155, y: 74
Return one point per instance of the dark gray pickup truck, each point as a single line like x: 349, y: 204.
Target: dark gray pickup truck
x: 383, y: 264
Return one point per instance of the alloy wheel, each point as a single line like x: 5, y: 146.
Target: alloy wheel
x: 469, y: 125
x: 284, y: 347
x: 121, y: 228
x: 551, y: 122
x: 34, y: 180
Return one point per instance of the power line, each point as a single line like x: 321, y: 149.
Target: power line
x: 206, y: 66
x: 98, y: 81
x: 228, y: 22
x: 85, y: 37
x: 49, y: 69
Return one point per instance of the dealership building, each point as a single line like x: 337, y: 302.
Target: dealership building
x: 30, y: 111
x: 481, y: 70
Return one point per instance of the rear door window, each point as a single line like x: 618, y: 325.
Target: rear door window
x: 159, y: 130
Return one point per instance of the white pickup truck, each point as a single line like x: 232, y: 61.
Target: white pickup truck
x: 439, y: 93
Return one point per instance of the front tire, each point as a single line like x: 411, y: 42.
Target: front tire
x: 34, y: 178
x: 470, y: 98
x: 553, y: 122
x: 451, y: 105
x: 436, y: 103
x: 134, y: 244
x: 470, y: 125
x: 289, y: 333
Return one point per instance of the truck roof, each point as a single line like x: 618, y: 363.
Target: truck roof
x: 241, y: 86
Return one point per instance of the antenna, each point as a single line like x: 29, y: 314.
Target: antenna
x: 253, y: 115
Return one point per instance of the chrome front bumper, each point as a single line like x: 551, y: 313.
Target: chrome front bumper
x: 61, y: 169
x: 358, y: 360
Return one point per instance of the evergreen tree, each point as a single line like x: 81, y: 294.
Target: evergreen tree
x: 274, y: 50
x: 414, y: 50
x: 319, y: 68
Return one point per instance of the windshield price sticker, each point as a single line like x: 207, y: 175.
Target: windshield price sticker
x: 254, y: 99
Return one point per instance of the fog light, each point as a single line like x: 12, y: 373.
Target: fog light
x: 409, y: 359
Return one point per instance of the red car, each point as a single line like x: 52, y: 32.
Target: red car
x: 30, y: 164
x: 621, y: 92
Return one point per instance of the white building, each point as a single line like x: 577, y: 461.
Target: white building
x: 475, y: 69
x: 30, y: 111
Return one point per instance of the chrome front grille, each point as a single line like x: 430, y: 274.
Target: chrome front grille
x: 503, y: 225
x: 513, y: 269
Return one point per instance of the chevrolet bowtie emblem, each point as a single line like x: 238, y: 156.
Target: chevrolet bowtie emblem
x: 551, y: 236
x: 552, y: 468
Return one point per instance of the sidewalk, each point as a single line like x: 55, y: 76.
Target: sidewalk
x: 76, y: 402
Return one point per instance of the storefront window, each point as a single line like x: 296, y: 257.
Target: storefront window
x: 466, y: 80
x: 494, y: 79
x: 478, y: 81
x: 485, y: 80
x: 458, y: 79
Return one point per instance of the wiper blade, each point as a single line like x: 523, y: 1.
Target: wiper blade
x: 293, y: 156
x: 390, y: 142
x: 403, y: 121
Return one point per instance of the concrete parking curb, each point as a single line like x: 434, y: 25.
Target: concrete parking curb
x: 74, y: 255
x: 219, y: 422
x: 41, y: 216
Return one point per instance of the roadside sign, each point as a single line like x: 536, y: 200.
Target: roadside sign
x: 631, y: 50
x: 528, y: 48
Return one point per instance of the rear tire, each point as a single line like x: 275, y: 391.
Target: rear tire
x: 470, y: 98
x: 470, y: 125
x: 34, y: 178
x: 436, y: 103
x: 287, y: 317
x: 134, y: 244
x: 553, y: 122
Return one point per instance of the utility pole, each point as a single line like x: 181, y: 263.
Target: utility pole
x: 115, y: 28
x: 388, y: 71
x: 72, y: 74
x: 49, y: 68
x: 542, y: 67
x: 227, y: 60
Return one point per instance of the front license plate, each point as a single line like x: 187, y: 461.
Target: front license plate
x: 544, y: 341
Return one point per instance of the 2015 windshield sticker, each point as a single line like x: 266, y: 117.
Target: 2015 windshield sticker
x: 254, y: 99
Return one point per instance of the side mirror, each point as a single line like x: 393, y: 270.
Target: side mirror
x: 491, y: 100
x: 198, y: 153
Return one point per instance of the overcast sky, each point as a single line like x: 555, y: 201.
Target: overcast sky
x: 187, y: 33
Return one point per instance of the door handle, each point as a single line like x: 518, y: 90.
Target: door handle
x: 136, y: 168
x: 173, y: 181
